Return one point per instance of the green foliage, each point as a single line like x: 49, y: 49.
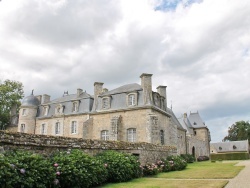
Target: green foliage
x: 121, y: 167
x: 24, y: 169
x: 238, y: 131
x: 151, y: 169
x: 10, y: 94
x: 230, y: 156
x: 188, y: 158
x: 177, y: 163
x: 77, y: 169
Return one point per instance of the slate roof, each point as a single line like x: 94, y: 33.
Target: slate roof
x: 175, y: 120
x: 185, y: 123
x: 233, y: 146
x: 195, y: 120
x: 30, y: 101
x: 124, y: 89
x: 70, y: 97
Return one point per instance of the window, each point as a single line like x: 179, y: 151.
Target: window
x: 74, y: 109
x: 24, y: 112
x: 43, y: 129
x: 105, y: 135
x: 131, y: 100
x: 131, y: 133
x: 73, y: 127
x: 162, y: 137
x: 105, y: 103
x: 45, y: 110
x: 57, y: 128
x: 22, y: 130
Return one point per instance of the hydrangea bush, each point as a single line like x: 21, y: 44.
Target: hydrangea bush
x: 77, y: 169
x: 25, y: 169
x: 22, y: 169
x: 121, y: 167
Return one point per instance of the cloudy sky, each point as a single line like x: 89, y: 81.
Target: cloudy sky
x: 200, y: 49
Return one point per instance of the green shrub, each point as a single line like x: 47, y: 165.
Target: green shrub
x: 230, y: 156
x: 25, y: 169
x: 188, y: 157
x: 121, y: 167
x: 202, y: 158
x: 151, y: 169
x: 176, y: 162
x: 77, y: 169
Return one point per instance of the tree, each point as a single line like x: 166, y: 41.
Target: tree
x: 10, y: 94
x: 238, y: 131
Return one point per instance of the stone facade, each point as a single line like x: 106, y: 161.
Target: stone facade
x: 131, y: 113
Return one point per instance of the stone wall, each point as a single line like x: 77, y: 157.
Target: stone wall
x: 46, y: 144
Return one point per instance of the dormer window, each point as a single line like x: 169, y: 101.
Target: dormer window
x: 106, y: 103
x: 59, y: 109
x: 45, y: 110
x: 75, y: 106
x: 132, y: 99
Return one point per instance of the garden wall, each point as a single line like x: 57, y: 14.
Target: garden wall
x: 46, y: 144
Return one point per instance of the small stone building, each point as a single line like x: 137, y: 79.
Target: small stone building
x: 229, y: 147
x: 133, y: 113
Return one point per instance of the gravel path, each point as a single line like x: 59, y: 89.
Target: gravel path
x: 242, y: 180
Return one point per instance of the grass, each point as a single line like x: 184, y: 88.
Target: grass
x: 205, y: 170
x: 196, y: 175
x: 165, y: 183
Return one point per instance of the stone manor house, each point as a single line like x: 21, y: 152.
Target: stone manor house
x: 132, y: 113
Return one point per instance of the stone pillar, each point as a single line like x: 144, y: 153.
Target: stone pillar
x: 146, y: 84
x: 163, y: 93
x: 97, y: 91
x: 78, y: 92
x: 45, y: 99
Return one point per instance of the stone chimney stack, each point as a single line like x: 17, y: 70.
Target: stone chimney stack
x: 45, y: 98
x: 146, y: 84
x: 78, y: 92
x: 163, y: 92
x: 185, y: 115
x: 97, y: 91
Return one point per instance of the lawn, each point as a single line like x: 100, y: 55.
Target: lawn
x: 196, y: 175
x: 205, y: 170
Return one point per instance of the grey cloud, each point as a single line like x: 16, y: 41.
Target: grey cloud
x: 72, y: 24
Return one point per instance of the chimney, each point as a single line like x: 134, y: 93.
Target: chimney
x: 39, y: 97
x: 163, y: 92
x: 185, y: 115
x: 97, y: 91
x: 45, y: 98
x: 146, y: 84
x: 78, y: 92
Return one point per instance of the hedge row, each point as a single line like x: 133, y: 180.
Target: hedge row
x: 229, y: 156
x: 19, y: 169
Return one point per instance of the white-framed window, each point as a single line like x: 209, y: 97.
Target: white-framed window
x: 75, y: 107
x: 43, y: 128
x: 105, y: 135
x: 162, y: 137
x: 45, y: 110
x: 57, y: 128
x: 22, y: 128
x: 131, y: 135
x: 24, y: 112
x: 132, y: 99
x: 73, y: 127
x: 59, y: 109
x: 106, y: 103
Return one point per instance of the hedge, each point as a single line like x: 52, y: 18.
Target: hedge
x: 229, y: 156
